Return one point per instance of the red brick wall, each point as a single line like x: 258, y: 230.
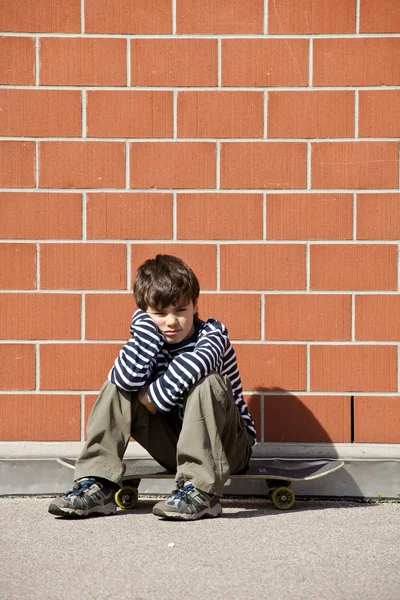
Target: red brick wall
x: 259, y: 141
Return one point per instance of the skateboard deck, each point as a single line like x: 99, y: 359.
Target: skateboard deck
x: 273, y: 470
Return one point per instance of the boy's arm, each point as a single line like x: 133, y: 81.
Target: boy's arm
x: 144, y: 399
x: 189, y: 367
x: 133, y: 366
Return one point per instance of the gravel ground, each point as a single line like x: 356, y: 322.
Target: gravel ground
x: 318, y: 550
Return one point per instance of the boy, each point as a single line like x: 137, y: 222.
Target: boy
x: 175, y: 388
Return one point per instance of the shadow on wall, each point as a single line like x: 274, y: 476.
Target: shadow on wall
x: 301, y: 420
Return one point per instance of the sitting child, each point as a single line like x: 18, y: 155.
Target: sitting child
x: 175, y: 387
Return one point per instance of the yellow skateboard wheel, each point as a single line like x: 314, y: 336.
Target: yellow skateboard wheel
x: 283, y: 498
x: 127, y: 497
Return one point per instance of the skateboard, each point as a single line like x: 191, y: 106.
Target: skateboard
x: 278, y: 474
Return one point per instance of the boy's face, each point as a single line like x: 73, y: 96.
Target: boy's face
x: 176, y: 322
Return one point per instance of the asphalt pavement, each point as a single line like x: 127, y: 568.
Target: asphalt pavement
x: 318, y: 550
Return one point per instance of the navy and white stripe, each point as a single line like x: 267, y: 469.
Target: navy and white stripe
x: 134, y: 366
x: 172, y: 369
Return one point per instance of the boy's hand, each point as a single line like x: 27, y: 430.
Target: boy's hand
x: 145, y: 400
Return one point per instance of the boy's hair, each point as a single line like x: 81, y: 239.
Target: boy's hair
x: 165, y: 280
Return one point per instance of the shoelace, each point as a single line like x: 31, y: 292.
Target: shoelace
x: 181, y: 490
x: 81, y: 486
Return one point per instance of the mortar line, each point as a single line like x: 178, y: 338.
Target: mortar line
x: 174, y: 216
x: 82, y: 16
x: 265, y: 114
x: 213, y: 242
x: 218, y: 165
x: 82, y: 417
x: 84, y: 109
x: 84, y: 217
x: 219, y: 62
x: 398, y: 268
x: 310, y: 62
x: 262, y: 317
x: 128, y: 63
x: 37, y: 366
x: 37, y: 266
x: 398, y: 150
x: 251, y: 392
x: 242, y: 191
x: 353, y: 317
x: 37, y: 165
x: 37, y: 62
x: 198, y: 88
x: 236, y: 342
x: 308, y: 165
x: 209, y: 140
x: 356, y: 113
x: 308, y: 367
x: 218, y: 268
x: 83, y: 316
x: 265, y: 19
x: 357, y: 16
x: 308, y: 266
x: 129, y: 284
x: 354, y: 216
x: 173, y: 17
x: 68, y: 292
x: 264, y: 217
x: 212, y: 36
x: 222, y: 292
x: 175, y: 114
x: 398, y: 370
x: 127, y: 166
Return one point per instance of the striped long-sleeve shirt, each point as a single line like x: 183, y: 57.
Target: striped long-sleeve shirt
x: 170, y: 370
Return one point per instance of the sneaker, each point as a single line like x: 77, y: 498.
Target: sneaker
x: 88, y: 497
x: 187, y: 503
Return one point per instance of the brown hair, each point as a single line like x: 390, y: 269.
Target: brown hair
x: 165, y: 280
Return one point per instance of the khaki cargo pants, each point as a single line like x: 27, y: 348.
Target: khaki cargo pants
x: 210, y: 443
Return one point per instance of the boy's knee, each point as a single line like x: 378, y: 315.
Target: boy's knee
x: 114, y: 391
x: 214, y: 385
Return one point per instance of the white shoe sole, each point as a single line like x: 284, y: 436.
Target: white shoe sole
x: 214, y: 511
x: 106, y: 510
